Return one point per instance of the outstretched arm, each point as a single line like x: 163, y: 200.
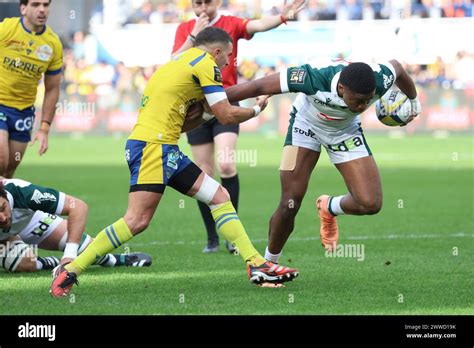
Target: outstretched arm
x: 266, y: 23
x: 268, y: 85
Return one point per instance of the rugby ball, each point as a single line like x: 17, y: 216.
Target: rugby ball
x: 393, y: 109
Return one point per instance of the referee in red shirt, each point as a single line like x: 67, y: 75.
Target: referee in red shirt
x: 213, y: 136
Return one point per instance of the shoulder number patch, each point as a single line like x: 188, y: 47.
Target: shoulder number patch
x: 297, y: 76
x: 217, y: 75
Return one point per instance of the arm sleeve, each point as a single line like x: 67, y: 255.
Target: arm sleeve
x: 56, y: 65
x: 241, y: 28
x: 210, y: 79
x: 42, y: 198
x: 385, y: 77
x: 180, y: 37
x: 300, y: 79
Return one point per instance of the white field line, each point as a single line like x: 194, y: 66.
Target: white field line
x: 306, y: 239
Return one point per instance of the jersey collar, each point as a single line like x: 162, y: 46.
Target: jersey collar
x: 214, y: 21
x: 29, y: 31
x: 334, y: 82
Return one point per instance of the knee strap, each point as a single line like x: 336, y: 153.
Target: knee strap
x: 208, y: 190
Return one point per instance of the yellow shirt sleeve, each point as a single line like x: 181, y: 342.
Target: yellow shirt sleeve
x: 210, y: 79
x: 3, y: 29
x: 56, y: 64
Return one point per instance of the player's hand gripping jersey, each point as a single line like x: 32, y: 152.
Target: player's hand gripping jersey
x: 188, y: 78
x: 24, y: 57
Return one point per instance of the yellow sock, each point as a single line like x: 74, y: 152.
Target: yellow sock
x: 107, y: 240
x: 229, y: 225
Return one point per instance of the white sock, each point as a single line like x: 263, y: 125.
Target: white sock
x: 39, y: 265
x: 272, y: 257
x: 335, y: 205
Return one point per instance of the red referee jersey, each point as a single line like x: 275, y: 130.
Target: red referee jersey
x: 237, y: 29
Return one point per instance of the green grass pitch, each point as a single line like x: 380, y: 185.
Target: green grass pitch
x: 418, y: 251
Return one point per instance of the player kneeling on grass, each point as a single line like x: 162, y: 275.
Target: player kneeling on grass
x: 29, y: 215
x: 155, y: 160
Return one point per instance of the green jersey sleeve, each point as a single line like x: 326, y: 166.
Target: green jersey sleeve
x: 304, y: 79
x: 385, y: 77
x: 37, y: 198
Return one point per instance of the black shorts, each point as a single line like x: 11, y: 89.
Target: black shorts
x: 205, y: 133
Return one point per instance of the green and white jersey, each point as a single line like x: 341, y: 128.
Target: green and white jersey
x: 318, y: 102
x: 28, y: 201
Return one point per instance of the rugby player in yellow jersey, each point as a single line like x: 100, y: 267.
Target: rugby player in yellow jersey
x: 155, y: 160
x: 29, y: 49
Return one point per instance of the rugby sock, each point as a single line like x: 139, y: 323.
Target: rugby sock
x: 107, y: 240
x: 272, y: 257
x: 48, y: 262
x: 232, y: 185
x: 334, y: 206
x: 229, y: 225
x: 108, y: 260
x: 212, y: 236
x: 111, y: 260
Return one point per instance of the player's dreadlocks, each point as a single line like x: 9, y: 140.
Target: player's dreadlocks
x: 358, y: 77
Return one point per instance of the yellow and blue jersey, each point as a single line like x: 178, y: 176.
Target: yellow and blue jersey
x: 190, y: 77
x: 24, y: 57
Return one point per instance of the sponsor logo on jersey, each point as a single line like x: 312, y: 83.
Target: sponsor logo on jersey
x: 44, y: 225
x: 18, y: 64
x: 217, y: 75
x: 39, y: 197
x: 3, y: 117
x: 25, y: 124
x: 15, y: 45
x: 387, y: 81
x: 297, y: 76
x: 308, y: 133
x: 173, y: 157
x: 44, y: 52
x: 347, y: 145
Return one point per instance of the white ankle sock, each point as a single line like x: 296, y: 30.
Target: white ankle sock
x: 272, y: 257
x: 335, y: 205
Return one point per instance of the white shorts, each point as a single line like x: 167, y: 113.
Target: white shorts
x: 40, y: 227
x: 350, y: 146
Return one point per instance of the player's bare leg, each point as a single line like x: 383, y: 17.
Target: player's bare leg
x: 16, y: 151
x: 4, y: 152
x: 295, y: 171
x: 141, y: 208
x: 228, y: 224
x: 203, y: 156
x: 226, y: 149
x: 362, y: 179
x: 364, y: 198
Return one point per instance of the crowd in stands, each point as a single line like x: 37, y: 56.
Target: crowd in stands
x: 120, y: 87
x: 177, y: 11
